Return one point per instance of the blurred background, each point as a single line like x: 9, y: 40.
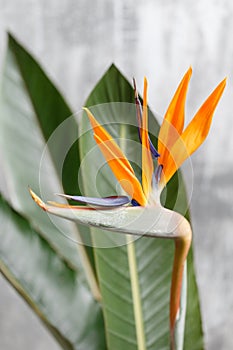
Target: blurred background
x: 76, y: 41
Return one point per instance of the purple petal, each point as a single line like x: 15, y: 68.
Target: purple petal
x: 153, y: 150
x: 110, y: 202
x: 135, y: 203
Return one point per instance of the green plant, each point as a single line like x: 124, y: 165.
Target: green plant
x: 82, y: 293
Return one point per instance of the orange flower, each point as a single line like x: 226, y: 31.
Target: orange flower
x: 118, y: 161
x: 175, y: 145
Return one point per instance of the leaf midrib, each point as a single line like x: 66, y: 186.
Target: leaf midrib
x: 136, y: 294
x: 133, y: 270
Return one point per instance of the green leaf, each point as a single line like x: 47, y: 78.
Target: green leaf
x: 33, y: 116
x: 50, y: 108
x: 53, y: 290
x: 145, y: 264
x: 31, y: 111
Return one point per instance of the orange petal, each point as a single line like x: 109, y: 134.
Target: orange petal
x: 68, y: 206
x: 105, y: 136
x: 195, y: 133
x: 173, y: 122
x: 147, y: 162
x: 127, y: 178
x: 38, y: 200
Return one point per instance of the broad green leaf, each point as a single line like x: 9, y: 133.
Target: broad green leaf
x: 53, y: 290
x: 32, y: 109
x: 142, y: 268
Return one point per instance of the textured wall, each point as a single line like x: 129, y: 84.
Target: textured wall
x: 76, y: 40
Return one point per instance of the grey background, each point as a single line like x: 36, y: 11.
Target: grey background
x: 76, y: 41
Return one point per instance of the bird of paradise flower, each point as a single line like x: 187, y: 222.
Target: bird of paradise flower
x: 143, y: 213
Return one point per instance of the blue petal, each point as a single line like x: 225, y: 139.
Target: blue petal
x: 153, y: 150
x: 110, y: 202
x: 135, y: 203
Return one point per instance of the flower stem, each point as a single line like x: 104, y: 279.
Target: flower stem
x: 182, y: 245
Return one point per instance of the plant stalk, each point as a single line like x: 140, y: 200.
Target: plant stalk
x: 182, y: 245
